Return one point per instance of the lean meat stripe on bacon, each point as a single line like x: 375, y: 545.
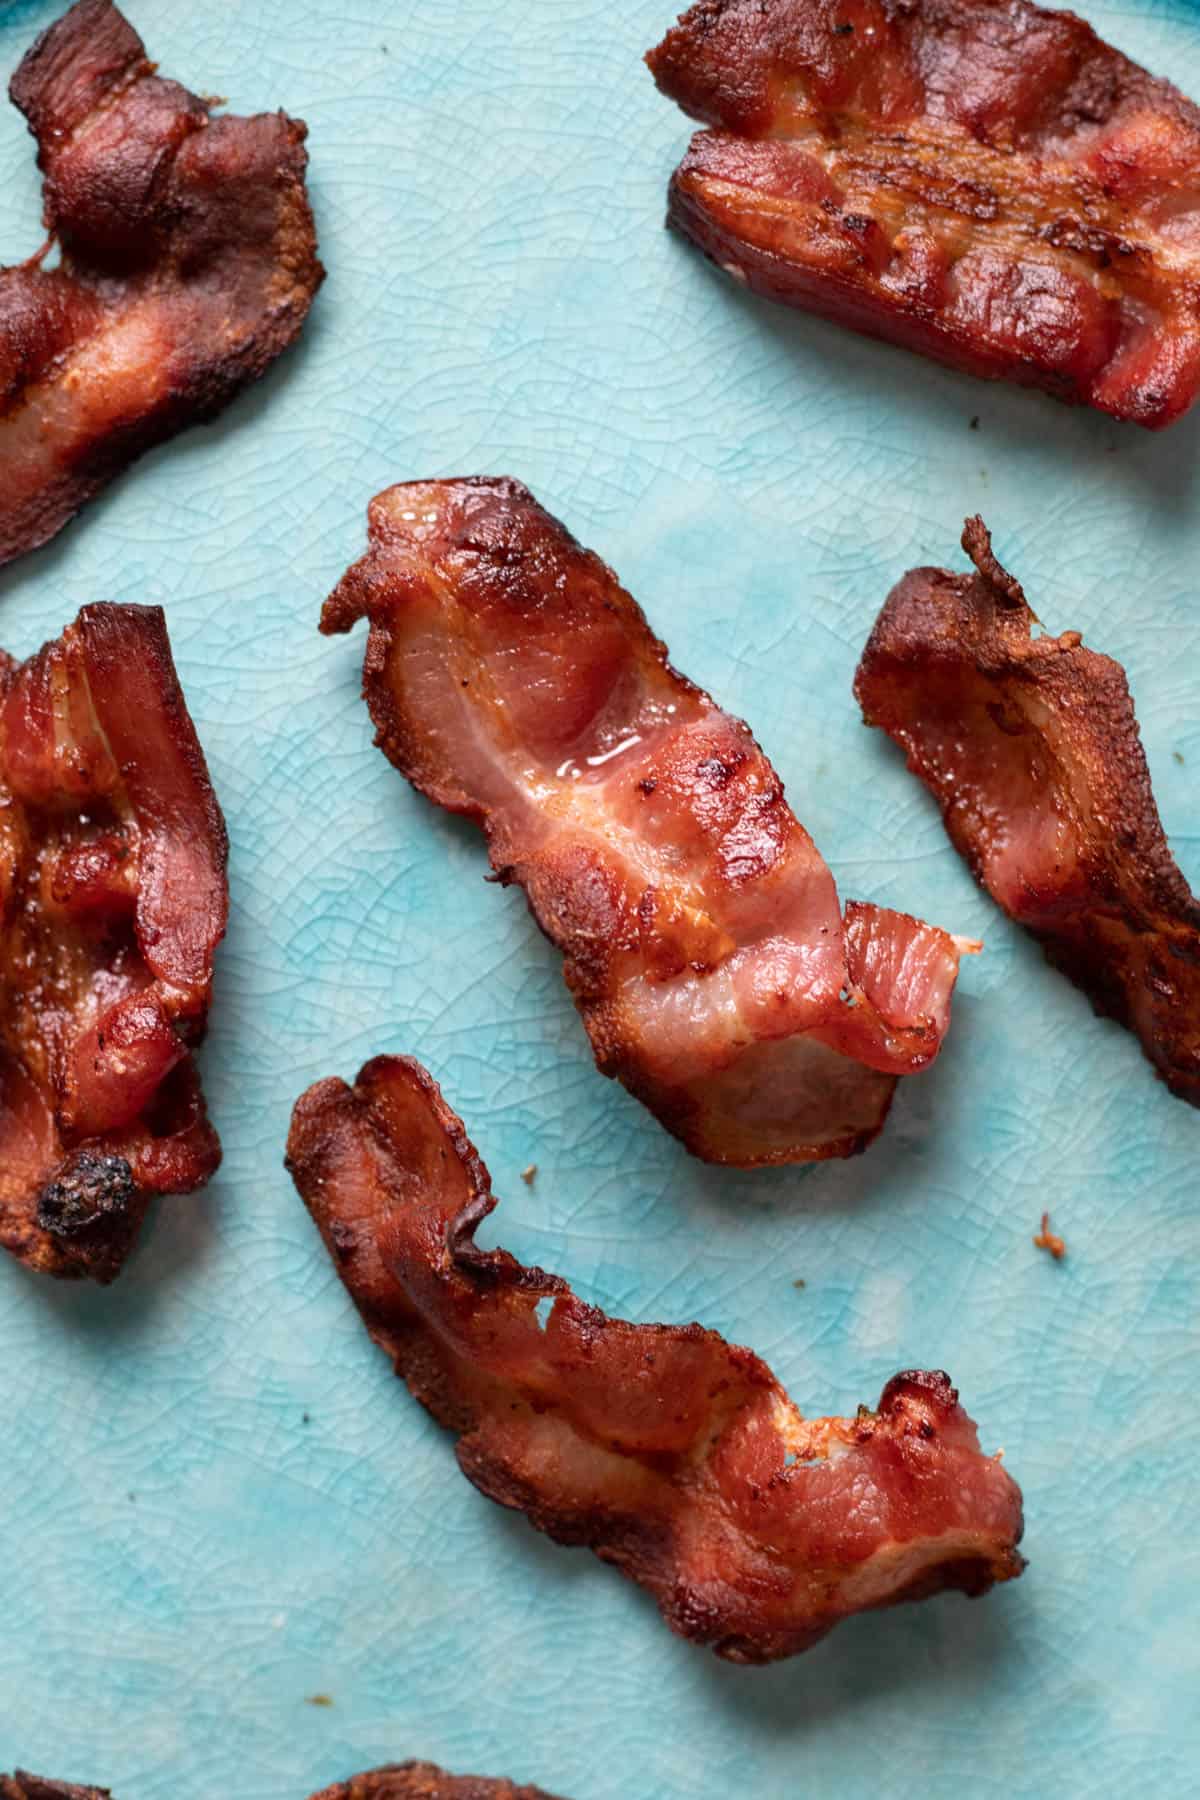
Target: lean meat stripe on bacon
x: 513, y: 680
x: 1031, y: 749
x: 113, y: 899
x: 424, y: 1781
x: 982, y: 181
x: 670, y: 1453
x: 188, y: 262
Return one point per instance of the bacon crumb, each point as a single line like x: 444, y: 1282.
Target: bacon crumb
x: 1050, y: 1240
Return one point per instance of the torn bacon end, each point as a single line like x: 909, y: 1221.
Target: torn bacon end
x: 982, y: 181
x: 113, y: 899
x: 1031, y: 748
x: 424, y: 1781
x: 670, y: 1453
x: 23, y: 1786
x: 188, y: 263
x: 512, y: 679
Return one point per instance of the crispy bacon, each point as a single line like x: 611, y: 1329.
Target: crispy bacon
x: 979, y: 180
x: 424, y: 1781
x: 23, y: 1786
x: 1031, y: 749
x: 513, y: 680
x: 113, y: 899
x: 670, y: 1453
x: 188, y: 262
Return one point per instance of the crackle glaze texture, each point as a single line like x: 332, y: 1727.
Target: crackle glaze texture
x: 217, y: 1504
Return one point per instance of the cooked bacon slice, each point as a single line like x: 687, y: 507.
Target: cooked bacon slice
x: 513, y: 680
x: 23, y: 1786
x: 113, y: 899
x: 424, y: 1781
x: 979, y: 180
x: 1031, y: 749
x: 667, y: 1451
x: 188, y: 262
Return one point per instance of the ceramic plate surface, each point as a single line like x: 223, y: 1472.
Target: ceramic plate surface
x: 217, y: 1501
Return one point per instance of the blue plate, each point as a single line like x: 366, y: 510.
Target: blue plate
x: 218, y: 1503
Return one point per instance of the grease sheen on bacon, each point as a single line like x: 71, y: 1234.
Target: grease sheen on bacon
x: 113, y: 898
x: 425, y: 1781
x: 1031, y: 748
x: 188, y: 262
x: 672, y: 1454
x: 982, y: 181
x: 512, y: 679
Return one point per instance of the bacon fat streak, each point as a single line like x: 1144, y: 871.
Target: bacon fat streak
x: 512, y: 679
x: 113, y: 898
x: 188, y: 262
x: 982, y: 181
x: 425, y: 1781
x: 1031, y: 748
x: 670, y: 1453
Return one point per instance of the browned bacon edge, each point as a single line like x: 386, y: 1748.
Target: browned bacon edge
x: 22, y: 1786
x: 394, y: 1781
x: 670, y: 1453
x: 1031, y: 748
x: 425, y: 1781
x: 188, y: 263
x: 113, y: 899
x: 982, y: 181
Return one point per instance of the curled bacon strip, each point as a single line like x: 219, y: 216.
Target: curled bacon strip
x: 978, y: 180
x: 425, y: 1781
x: 1031, y: 749
x: 188, y: 262
x: 512, y: 679
x: 670, y: 1453
x: 113, y: 899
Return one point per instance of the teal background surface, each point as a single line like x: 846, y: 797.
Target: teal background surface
x: 215, y: 1500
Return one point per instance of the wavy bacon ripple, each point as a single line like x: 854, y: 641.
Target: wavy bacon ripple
x: 188, y: 263
x: 670, y: 1453
x: 512, y: 679
x: 982, y: 181
x: 113, y: 898
x: 1031, y: 748
x: 425, y: 1781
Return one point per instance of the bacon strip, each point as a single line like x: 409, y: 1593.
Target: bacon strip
x: 670, y: 1453
x: 513, y: 680
x: 188, y: 262
x: 1031, y: 749
x: 978, y: 180
x: 113, y: 898
x: 23, y: 1786
x: 424, y: 1781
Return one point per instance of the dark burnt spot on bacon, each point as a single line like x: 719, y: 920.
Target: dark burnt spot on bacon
x: 1030, y: 746
x: 701, y: 932
x: 92, y: 1208
x: 674, y: 1455
x: 983, y: 181
x: 187, y: 264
